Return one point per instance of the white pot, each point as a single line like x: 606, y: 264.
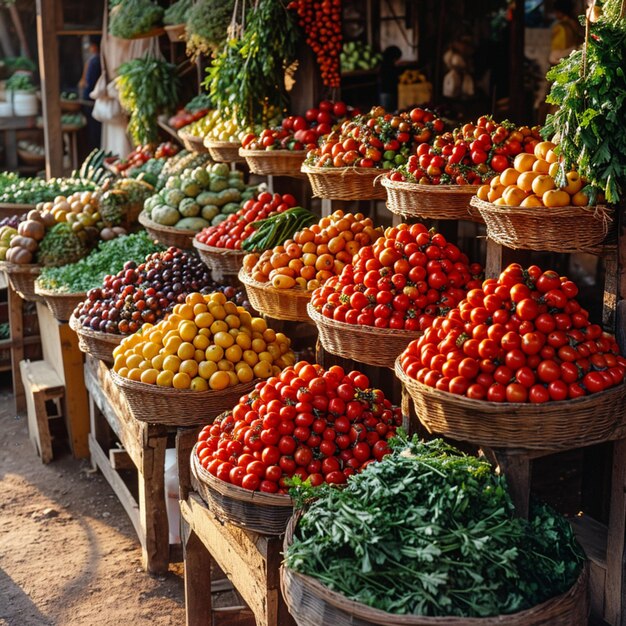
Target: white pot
x: 24, y: 103
x: 6, y: 110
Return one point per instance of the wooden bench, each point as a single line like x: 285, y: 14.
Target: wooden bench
x: 44, y: 392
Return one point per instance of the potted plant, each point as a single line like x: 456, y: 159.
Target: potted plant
x: 21, y: 94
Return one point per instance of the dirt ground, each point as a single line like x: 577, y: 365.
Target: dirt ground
x: 68, y: 553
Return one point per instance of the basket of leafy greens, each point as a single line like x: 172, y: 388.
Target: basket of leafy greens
x: 135, y: 19
x: 428, y: 537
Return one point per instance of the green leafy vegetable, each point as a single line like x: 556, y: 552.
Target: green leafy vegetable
x: 430, y: 531
x: 130, y: 18
x: 177, y: 12
x: 590, y: 123
x: 206, y: 26
x: 273, y: 231
x: 34, y: 190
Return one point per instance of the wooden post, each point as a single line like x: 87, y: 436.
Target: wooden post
x: 197, y: 579
x: 517, y: 96
x: 50, y: 91
x: 16, y: 324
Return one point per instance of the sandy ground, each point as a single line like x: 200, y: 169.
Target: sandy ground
x: 68, y: 553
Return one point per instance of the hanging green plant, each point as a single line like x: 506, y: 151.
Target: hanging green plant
x: 589, y: 87
x: 206, y: 26
x: 247, y: 79
x: 131, y: 18
x: 147, y: 87
x: 177, y: 12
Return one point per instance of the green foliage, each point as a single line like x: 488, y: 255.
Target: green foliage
x: 33, y: 190
x: 590, y: 123
x: 61, y: 245
x: 247, y: 78
x: 20, y: 82
x: 14, y: 64
x: 147, y: 87
x: 206, y: 25
x: 431, y: 531
x: 177, y: 12
x: 130, y: 18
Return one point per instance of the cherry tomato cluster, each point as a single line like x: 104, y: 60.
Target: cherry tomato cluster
x: 321, y: 21
x: 231, y: 232
x: 402, y: 281
x: 142, y: 154
x: 301, y: 132
x: 319, y: 425
x: 469, y: 155
x: 376, y: 139
x: 520, y: 338
x: 183, y: 118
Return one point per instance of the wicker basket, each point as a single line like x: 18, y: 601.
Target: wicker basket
x: 281, y: 304
x: 168, y: 235
x: 7, y: 209
x: 99, y: 345
x: 22, y: 279
x: 557, y: 229
x: 365, y: 344
x: 346, y: 183
x: 177, y: 407
x: 312, y: 603
x: 263, y: 513
x: 435, y: 202
x: 551, y: 425
x: 275, y: 162
x: 224, y: 151
x: 69, y: 106
x: 193, y: 143
x: 176, y: 33
x: 61, y: 305
x: 221, y: 261
x: 31, y: 158
x: 155, y: 31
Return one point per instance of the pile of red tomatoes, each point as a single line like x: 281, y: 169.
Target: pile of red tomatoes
x: 402, y: 281
x: 520, y: 338
x: 320, y: 425
x: 469, y: 155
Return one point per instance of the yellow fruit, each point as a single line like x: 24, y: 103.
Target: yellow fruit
x: 156, y: 336
x: 552, y: 156
x: 532, y: 201
x: 580, y: 199
x: 219, y: 326
x: 266, y: 356
x: 185, y: 311
x: 245, y: 317
x: 186, y: 351
x: 181, y: 381
x: 269, y: 335
x: 243, y: 341
x: 233, y: 378
x: 234, y: 353
x: 157, y: 362
x: 198, y: 309
x: 134, y: 374
x: 188, y: 330
x: 258, y: 324
x: 230, y: 308
x: 149, y: 350
x: 556, y: 198
x: 524, y: 162
x: 495, y: 181
x: 258, y: 345
x: 172, y: 343
x: 217, y: 297
x: 274, y: 350
x: 500, y: 202
x: 204, y: 320
x: 233, y: 321
x: 541, y: 149
x: 542, y: 183
x: 205, y: 332
x: 133, y: 361
x: 201, y: 342
x: 217, y: 311
x: 199, y: 355
x: 224, y: 340
x: 245, y: 374
x: 495, y: 193
x: 574, y: 183
x: 513, y: 195
x: 219, y: 381
x: 482, y: 192
x: 250, y: 357
x: 263, y: 369
x: 206, y: 369
x: 190, y: 367
x: 171, y: 363
x: 123, y: 371
x: 198, y: 384
x: 164, y: 379
x: 149, y: 376
x: 225, y: 365
x: 541, y: 166
x: 214, y: 353
x: 554, y: 169
x: 525, y: 180
x: 194, y: 298
x: 509, y: 176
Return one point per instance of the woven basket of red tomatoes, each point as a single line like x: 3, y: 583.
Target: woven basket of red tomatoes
x: 390, y: 293
x: 314, y: 424
x: 518, y: 364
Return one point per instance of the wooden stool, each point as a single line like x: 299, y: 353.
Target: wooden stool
x: 42, y: 385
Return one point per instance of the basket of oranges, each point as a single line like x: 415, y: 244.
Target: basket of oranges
x: 198, y: 362
x: 528, y: 206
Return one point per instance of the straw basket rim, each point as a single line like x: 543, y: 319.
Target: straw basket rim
x: 244, y: 152
x: 246, y: 279
x: 167, y: 235
x: 14, y: 206
x: 370, y: 615
x: 194, y: 143
x: 235, y: 492
x: 57, y: 294
x: 279, y: 162
x: 110, y: 338
x: 215, y: 143
x: 366, y: 172
x: 442, y: 189
x: 224, y: 151
x: 20, y: 268
x: 552, y: 425
x: 602, y: 209
x: 60, y: 304
x: 346, y: 183
x: 219, y: 251
x: 144, y: 220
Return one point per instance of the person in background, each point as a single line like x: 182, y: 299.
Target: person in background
x: 388, y: 74
x: 91, y: 72
x: 567, y: 34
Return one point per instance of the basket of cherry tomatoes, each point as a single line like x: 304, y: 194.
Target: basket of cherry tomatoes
x: 518, y: 364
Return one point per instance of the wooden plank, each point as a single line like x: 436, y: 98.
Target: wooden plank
x: 516, y: 468
x: 119, y: 459
x: 152, y: 506
x: 40, y: 376
x: 16, y: 323
x: 613, y: 592
x: 118, y: 485
x: 236, y: 553
x: 592, y: 536
x: 197, y: 581
x: 38, y: 428
x: 185, y: 441
x: 50, y: 91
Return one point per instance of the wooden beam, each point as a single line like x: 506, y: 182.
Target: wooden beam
x: 119, y: 459
x: 197, y: 581
x: 50, y: 90
x: 517, y: 95
x: 16, y: 325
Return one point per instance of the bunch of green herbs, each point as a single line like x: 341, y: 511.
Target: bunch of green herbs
x: 431, y: 531
x: 131, y: 18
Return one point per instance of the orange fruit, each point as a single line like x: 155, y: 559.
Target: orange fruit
x: 513, y: 195
x: 556, y: 198
x: 541, y: 166
x: 181, y: 381
x: 482, y: 192
x: 542, y: 183
x: 525, y: 180
x: 574, y: 183
x: 532, y: 201
x: 219, y: 380
x: 164, y: 379
x: 580, y: 199
x: 541, y: 149
x: 198, y: 384
x: 524, y: 162
x: 206, y: 369
x: 495, y: 193
x: 186, y: 350
x: 509, y: 176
